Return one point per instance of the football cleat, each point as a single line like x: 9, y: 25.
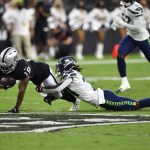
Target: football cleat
x: 124, y: 87
x: 75, y: 106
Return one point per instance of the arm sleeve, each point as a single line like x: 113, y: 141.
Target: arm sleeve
x: 57, y: 88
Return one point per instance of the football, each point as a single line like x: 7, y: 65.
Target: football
x: 8, y: 82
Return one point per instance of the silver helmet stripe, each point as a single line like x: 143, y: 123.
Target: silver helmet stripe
x: 5, y: 54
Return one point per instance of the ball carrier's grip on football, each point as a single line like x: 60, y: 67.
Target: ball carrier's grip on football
x: 7, y: 82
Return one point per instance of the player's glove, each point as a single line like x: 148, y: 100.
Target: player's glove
x: 118, y: 23
x: 39, y: 88
x: 14, y: 110
x: 8, y: 83
x: 48, y: 99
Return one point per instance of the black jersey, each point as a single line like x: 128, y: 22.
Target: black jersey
x: 37, y: 71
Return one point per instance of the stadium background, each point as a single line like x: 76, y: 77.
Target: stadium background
x: 91, y: 38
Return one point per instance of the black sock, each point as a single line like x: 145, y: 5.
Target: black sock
x: 121, y: 67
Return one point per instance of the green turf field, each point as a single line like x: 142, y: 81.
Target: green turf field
x: 103, y: 74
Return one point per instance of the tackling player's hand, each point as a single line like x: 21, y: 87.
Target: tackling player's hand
x: 39, y: 88
x: 14, y: 110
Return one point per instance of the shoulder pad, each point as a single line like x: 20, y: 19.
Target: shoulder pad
x: 136, y: 10
x: 69, y: 74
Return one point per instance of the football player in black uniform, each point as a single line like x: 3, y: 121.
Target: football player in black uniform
x: 29, y: 70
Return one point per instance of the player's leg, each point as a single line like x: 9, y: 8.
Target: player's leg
x: 100, y: 44
x: 79, y: 48
x: 125, y: 47
x: 65, y: 94
x: 145, y: 48
x: 117, y: 103
x: 144, y: 103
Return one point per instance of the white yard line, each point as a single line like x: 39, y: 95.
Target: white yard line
x: 108, y: 61
x: 110, y: 78
x: 77, y: 113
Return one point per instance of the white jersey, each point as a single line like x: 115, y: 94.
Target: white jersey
x: 84, y: 90
x: 133, y: 15
x: 77, y: 18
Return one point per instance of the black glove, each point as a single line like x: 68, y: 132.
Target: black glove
x: 48, y: 99
x: 14, y: 110
x: 8, y: 83
x: 39, y: 88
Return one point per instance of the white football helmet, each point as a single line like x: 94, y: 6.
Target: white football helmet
x: 8, y: 60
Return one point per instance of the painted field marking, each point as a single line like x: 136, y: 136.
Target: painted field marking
x: 46, y: 122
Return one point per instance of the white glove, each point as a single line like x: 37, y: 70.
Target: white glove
x: 114, y: 26
x: 118, y: 23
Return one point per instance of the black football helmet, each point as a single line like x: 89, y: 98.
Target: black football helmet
x: 66, y: 63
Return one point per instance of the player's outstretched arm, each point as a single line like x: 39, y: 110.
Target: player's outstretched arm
x: 22, y: 88
x: 57, y: 88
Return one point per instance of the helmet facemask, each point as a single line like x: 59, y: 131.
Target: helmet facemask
x: 65, y: 64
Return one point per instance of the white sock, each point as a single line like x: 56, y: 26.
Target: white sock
x: 99, y: 50
x: 124, y: 80
x: 79, y: 51
x: 52, y: 51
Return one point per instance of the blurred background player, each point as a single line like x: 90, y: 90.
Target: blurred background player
x: 137, y: 36
x: 42, y: 12
x: 4, y: 33
x: 60, y: 37
x: 99, y: 21
x: 19, y: 22
x: 77, y: 18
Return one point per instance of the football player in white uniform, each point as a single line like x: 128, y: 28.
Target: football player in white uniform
x: 77, y: 19
x: 72, y: 79
x: 137, y: 36
x: 146, y: 16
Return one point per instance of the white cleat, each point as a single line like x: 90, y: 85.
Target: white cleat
x: 75, y: 106
x: 123, y: 87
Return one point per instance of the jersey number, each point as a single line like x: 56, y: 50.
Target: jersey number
x: 126, y: 18
x: 27, y: 71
